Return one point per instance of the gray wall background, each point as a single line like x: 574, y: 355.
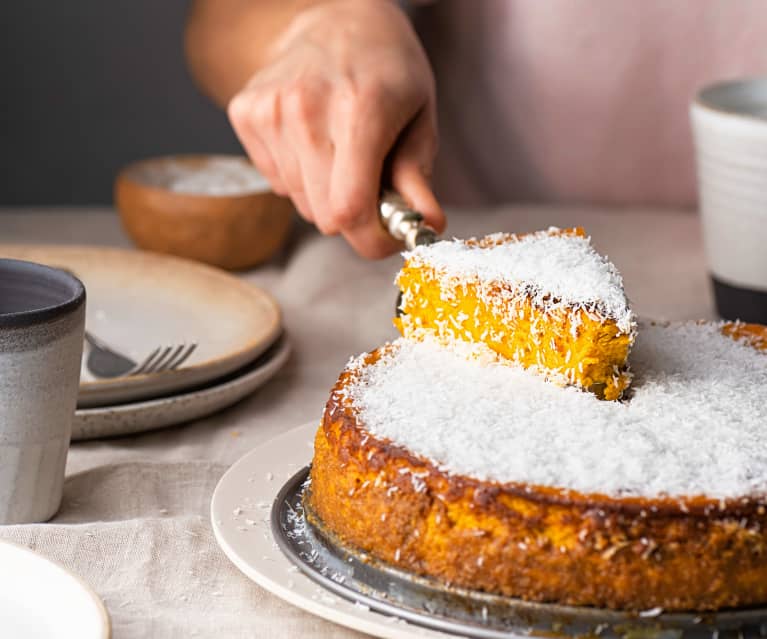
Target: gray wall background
x: 89, y: 85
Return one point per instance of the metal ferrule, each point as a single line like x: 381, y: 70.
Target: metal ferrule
x: 404, y: 223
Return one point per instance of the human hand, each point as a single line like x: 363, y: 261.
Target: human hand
x: 345, y: 103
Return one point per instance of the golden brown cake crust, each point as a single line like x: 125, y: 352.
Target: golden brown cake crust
x: 537, y: 543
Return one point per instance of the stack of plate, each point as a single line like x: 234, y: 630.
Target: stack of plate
x: 138, y: 301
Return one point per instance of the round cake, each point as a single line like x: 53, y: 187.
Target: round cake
x: 482, y: 475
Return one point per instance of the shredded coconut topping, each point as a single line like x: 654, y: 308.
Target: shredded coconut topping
x: 696, y: 423
x: 549, y: 266
x: 217, y: 175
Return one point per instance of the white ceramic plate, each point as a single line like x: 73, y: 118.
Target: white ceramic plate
x: 240, y: 514
x: 126, y: 419
x: 40, y: 599
x: 139, y: 300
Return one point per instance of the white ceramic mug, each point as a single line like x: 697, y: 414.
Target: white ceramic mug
x: 42, y: 320
x: 729, y: 122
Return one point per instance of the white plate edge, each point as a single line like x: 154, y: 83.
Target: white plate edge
x: 98, y: 603
x: 342, y: 611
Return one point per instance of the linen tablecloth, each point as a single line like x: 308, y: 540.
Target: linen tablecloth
x: 134, y: 520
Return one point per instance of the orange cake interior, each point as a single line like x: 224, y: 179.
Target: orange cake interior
x: 544, y: 300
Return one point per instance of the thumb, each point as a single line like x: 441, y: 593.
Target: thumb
x: 411, y: 166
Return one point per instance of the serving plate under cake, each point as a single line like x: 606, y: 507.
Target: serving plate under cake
x: 249, y: 518
x: 240, y: 517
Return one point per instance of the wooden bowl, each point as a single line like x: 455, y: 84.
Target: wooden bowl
x: 212, y: 208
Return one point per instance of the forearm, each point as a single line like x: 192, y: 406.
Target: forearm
x: 227, y: 41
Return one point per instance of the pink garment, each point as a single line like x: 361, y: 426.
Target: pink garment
x: 579, y: 100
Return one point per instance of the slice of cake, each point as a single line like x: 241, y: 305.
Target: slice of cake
x: 488, y: 477
x: 545, y: 300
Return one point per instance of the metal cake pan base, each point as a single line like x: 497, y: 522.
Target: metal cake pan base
x: 353, y: 575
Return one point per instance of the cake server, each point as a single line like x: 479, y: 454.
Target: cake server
x: 404, y: 224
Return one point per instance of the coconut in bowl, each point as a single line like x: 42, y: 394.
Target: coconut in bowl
x: 216, y: 209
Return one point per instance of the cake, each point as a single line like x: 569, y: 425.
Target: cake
x: 545, y: 300
x: 486, y: 476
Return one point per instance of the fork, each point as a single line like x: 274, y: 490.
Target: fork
x: 105, y: 362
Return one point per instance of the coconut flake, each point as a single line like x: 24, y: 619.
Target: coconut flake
x: 696, y: 422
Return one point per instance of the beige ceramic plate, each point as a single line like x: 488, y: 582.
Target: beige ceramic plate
x: 138, y: 301
x: 138, y: 417
x: 40, y: 599
x: 240, y: 515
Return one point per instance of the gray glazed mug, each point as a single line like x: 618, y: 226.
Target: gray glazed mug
x: 42, y: 320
